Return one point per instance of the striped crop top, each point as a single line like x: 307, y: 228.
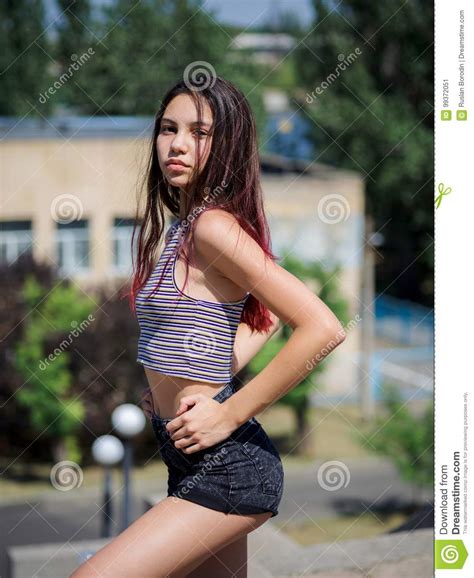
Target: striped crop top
x: 181, y: 335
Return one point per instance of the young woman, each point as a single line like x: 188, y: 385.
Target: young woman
x: 207, y: 306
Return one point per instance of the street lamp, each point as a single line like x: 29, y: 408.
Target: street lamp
x: 129, y: 420
x: 107, y: 451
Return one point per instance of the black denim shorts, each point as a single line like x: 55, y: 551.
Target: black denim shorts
x: 243, y: 474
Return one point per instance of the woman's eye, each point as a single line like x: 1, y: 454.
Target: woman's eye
x: 198, y: 132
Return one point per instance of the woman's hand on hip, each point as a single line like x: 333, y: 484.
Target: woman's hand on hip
x: 201, y: 422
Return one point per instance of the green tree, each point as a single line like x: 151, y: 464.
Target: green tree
x: 25, y: 59
x: 405, y: 438
x: 74, y: 37
x: 140, y: 53
x: 53, y: 319
x: 376, y: 117
x: 100, y: 361
x: 324, y: 282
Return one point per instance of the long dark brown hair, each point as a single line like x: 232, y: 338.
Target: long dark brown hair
x: 230, y: 181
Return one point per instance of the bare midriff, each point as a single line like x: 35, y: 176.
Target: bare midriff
x: 167, y: 391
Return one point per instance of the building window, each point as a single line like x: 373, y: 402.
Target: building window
x: 72, y: 247
x: 15, y: 239
x: 121, y: 246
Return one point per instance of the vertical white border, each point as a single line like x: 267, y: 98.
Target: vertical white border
x: 454, y: 280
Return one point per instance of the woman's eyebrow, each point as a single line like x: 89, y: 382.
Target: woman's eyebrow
x: 202, y: 123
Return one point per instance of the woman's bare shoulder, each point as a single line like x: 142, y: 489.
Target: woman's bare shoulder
x: 216, y: 223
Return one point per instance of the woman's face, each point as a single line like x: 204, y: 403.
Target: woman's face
x: 178, y: 136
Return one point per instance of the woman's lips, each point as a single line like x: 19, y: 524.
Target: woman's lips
x: 176, y: 167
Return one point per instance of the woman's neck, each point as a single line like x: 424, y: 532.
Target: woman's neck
x: 182, y: 204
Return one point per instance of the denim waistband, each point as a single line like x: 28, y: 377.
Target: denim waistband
x: 223, y: 394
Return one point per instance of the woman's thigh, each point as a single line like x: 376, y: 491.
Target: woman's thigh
x: 229, y: 561
x: 171, y: 539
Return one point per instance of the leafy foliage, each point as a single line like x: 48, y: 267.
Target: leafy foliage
x: 139, y: 53
x: 376, y: 117
x: 408, y: 440
x: 63, y: 402
x: 47, y: 377
x: 25, y: 59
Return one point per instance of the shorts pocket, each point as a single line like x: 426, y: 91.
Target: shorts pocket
x: 263, y: 454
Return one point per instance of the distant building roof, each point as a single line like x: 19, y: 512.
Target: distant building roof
x: 77, y: 126
x: 267, y: 41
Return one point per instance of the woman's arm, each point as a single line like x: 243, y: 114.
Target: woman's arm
x: 248, y: 344
x: 316, y: 330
